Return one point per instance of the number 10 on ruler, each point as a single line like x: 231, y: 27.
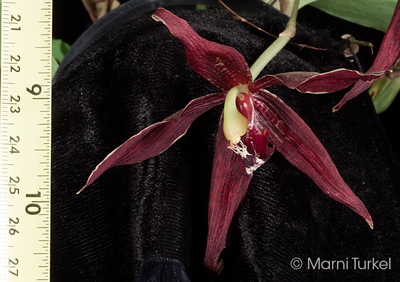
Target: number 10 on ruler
x: 25, y: 140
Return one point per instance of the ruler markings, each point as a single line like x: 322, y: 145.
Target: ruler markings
x: 19, y: 117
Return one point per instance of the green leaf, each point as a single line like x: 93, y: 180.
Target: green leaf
x: 201, y: 7
x: 54, y: 66
x: 58, y: 49
x: 305, y: 2
x: 383, y: 93
x: 370, y: 13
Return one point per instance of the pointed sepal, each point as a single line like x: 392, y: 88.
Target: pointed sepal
x: 315, y: 83
x: 298, y: 144
x: 228, y: 188
x: 222, y: 65
x: 156, y: 138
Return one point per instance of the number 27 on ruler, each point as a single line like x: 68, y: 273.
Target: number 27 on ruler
x: 25, y: 140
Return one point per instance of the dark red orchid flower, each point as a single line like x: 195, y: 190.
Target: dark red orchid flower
x: 253, y: 125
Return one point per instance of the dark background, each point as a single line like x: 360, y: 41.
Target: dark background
x: 70, y: 20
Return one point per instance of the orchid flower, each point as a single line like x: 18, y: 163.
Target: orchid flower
x: 253, y: 125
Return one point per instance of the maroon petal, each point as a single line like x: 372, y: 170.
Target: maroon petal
x: 387, y: 55
x: 298, y: 144
x: 313, y: 82
x: 158, y: 137
x: 227, y: 191
x: 222, y: 65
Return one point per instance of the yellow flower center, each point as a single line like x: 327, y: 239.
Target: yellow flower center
x: 235, y: 124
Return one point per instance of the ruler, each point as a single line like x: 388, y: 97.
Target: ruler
x: 25, y: 128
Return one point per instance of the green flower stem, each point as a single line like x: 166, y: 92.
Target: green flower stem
x: 278, y: 44
x: 235, y: 124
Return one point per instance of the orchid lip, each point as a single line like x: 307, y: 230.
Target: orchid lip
x: 235, y: 124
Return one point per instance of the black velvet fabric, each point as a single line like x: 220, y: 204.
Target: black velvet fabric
x: 148, y: 221
x: 163, y: 269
